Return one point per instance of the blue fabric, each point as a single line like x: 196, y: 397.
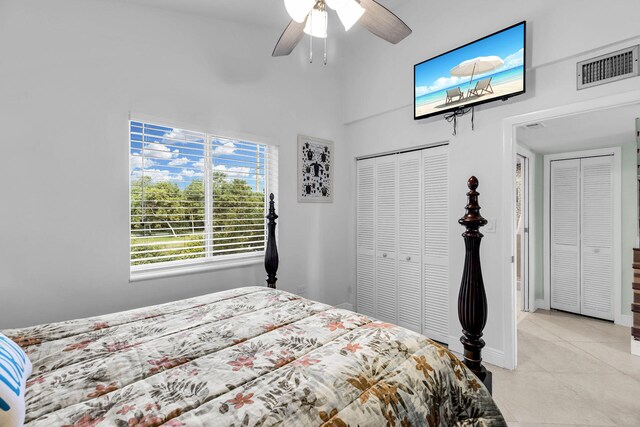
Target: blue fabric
x: 12, y: 364
x: 15, y: 367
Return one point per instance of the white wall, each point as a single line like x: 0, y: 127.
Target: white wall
x: 70, y: 73
x: 379, y: 116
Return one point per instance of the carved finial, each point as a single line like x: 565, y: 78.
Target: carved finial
x: 271, y: 215
x: 472, y: 219
x: 472, y: 183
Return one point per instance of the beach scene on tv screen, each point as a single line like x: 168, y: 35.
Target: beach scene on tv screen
x: 487, y: 69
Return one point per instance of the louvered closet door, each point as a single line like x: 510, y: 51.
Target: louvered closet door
x: 365, y: 284
x: 435, y: 162
x: 565, y: 235
x: 597, y: 237
x: 409, y: 241
x: 386, y: 176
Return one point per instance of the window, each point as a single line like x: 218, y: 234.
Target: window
x: 196, y: 197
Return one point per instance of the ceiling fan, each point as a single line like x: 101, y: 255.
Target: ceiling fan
x: 311, y: 17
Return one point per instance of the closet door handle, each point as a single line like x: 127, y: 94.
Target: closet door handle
x: 384, y: 255
x: 408, y: 258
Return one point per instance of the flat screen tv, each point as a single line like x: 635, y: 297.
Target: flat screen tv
x: 485, y: 70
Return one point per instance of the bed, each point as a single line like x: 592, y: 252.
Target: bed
x: 253, y: 356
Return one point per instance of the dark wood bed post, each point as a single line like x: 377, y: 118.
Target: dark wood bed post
x: 472, y: 300
x: 271, y: 254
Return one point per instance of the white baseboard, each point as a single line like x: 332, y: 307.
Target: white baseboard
x: 489, y: 355
x: 626, y: 320
x: 635, y: 347
x: 493, y: 356
x: 345, y: 306
x: 542, y: 304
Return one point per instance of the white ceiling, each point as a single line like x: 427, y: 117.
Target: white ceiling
x: 270, y: 13
x: 603, y: 128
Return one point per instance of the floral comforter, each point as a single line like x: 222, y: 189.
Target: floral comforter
x: 245, y: 357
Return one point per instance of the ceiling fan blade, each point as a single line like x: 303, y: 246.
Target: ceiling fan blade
x: 289, y: 38
x: 382, y: 22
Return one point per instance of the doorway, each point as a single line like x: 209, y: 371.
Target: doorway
x: 610, y: 120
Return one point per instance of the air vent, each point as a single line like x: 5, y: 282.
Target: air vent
x: 535, y: 126
x: 608, y: 68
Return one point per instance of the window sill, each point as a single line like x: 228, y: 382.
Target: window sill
x: 159, y: 272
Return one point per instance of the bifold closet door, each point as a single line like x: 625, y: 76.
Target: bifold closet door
x: 435, y: 258
x: 582, y: 236
x: 403, y: 240
x: 409, y: 240
x: 565, y: 235
x: 365, y: 269
x: 596, y: 250
x: 386, y: 235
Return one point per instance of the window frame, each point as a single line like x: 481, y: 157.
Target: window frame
x: 208, y: 262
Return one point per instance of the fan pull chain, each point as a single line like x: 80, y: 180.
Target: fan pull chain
x: 326, y: 25
x: 325, y: 51
x: 310, y: 39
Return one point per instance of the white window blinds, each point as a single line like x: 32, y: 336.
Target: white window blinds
x: 196, y: 197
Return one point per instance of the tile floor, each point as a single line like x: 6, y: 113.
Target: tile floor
x: 572, y: 370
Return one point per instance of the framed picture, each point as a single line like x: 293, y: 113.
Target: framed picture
x: 315, y: 170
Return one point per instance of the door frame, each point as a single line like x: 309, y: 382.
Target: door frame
x: 531, y: 241
x: 509, y: 139
x: 616, y: 152
x: 522, y: 251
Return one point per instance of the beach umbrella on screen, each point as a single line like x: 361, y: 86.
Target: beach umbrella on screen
x: 479, y: 65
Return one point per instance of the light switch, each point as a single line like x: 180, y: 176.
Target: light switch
x: 490, y: 227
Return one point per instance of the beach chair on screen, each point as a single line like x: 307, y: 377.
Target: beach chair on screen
x: 482, y: 86
x: 454, y: 93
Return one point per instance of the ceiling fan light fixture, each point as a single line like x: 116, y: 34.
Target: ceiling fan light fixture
x: 370, y: 14
x: 299, y: 9
x: 317, y: 24
x: 349, y: 12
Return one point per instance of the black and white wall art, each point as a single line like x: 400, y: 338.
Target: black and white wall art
x: 315, y: 170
